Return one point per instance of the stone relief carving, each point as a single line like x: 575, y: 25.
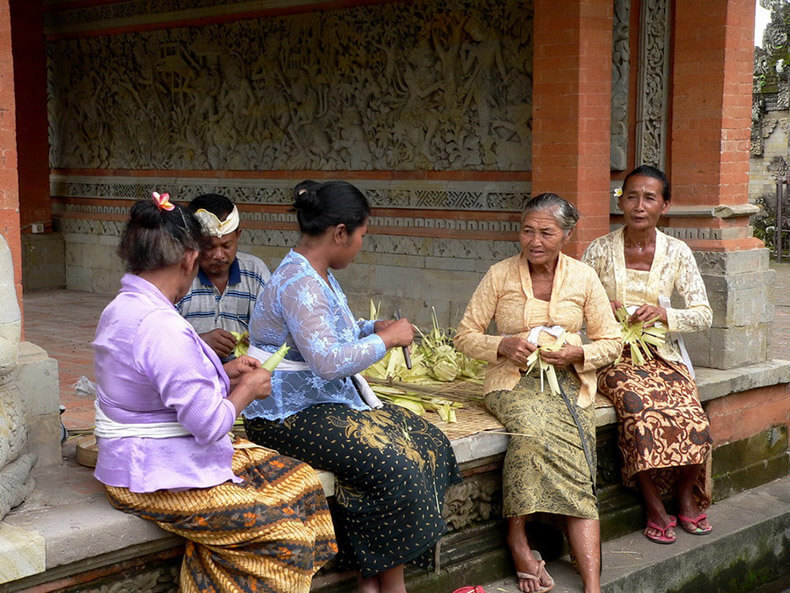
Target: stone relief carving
x: 410, y: 85
x: 621, y: 61
x: 651, y: 130
x: 475, y: 500
x: 771, y: 82
x: 15, y: 462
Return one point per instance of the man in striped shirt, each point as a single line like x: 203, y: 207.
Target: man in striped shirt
x: 223, y: 293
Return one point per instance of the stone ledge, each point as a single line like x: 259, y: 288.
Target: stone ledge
x: 715, y: 383
x: 70, y: 514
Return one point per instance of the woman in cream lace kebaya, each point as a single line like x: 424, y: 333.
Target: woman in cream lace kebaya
x: 550, y: 462
x: 663, y: 431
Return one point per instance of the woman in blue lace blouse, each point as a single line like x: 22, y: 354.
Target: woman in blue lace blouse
x: 391, y: 467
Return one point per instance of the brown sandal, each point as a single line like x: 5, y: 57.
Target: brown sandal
x: 533, y: 577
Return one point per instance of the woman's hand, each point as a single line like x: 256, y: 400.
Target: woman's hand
x: 250, y: 385
x: 258, y: 382
x: 615, y: 306
x: 238, y: 366
x: 563, y: 357
x: 396, y: 333
x: 516, y: 349
x: 649, y: 313
x: 382, y: 324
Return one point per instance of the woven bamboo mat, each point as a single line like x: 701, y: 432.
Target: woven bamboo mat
x: 471, y: 418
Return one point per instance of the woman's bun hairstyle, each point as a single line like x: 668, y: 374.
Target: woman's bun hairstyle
x: 320, y: 206
x: 155, y: 238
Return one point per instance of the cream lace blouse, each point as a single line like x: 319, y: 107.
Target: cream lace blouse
x: 674, y: 271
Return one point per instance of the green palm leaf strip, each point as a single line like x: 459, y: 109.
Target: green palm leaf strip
x: 544, y: 368
x: 639, y: 335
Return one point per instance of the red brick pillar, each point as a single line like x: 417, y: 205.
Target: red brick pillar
x: 711, y: 117
x: 30, y: 84
x: 9, y: 193
x: 571, y: 109
x: 709, y: 169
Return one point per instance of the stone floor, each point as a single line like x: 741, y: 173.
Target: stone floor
x: 74, y: 315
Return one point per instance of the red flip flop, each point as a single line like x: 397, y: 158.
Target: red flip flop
x: 695, y: 522
x: 663, y: 538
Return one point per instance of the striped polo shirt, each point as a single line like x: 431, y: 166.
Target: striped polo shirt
x: 206, y: 309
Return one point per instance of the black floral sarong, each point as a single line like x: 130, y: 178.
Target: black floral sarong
x: 392, y: 469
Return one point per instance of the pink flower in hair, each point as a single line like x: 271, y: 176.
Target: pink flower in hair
x: 162, y: 201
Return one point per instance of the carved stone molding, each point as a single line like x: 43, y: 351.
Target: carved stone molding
x: 653, y: 83
x: 621, y: 62
x: 474, y: 196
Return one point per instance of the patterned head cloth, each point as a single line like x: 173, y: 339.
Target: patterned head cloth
x: 216, y: 227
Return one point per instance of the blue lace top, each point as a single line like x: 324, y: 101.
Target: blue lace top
x: 299, y: 308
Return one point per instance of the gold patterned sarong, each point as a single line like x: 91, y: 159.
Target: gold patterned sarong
x: 271, y: 532
x: 546, y: 469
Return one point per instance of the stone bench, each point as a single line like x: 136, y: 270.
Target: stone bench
x: 67, y: 533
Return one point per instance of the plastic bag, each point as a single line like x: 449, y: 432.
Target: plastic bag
x: 84, y: 387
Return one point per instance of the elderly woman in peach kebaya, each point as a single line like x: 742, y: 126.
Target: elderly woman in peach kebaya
x: 539, y: 301
x: 664, y: 435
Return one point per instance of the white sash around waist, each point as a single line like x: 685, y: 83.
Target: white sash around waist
x: 110, y: 429
x: 359, y: 381
x: 667, y: 303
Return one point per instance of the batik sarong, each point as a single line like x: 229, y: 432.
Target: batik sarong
x: 269, y: 533
x: 545, y: 468
x: 661, y: 423
x: 391, y: 469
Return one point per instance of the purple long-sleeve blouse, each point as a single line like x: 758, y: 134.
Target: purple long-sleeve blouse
x: 151, y: 366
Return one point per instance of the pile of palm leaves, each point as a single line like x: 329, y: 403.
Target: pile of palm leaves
x: 435, y: 361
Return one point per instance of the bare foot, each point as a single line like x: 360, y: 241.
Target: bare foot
x: 531, y: 571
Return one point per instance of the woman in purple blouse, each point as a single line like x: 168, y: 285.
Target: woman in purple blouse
x: 253, y: 519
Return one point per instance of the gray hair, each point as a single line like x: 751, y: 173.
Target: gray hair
x: 563, y: 211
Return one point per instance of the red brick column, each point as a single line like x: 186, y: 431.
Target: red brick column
x: 9, y: 193
x: 30, y: 88
x: 571, y: 109
x: 711, y: 115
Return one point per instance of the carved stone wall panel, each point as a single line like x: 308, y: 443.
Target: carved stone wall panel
x: 621, y: 63
x: 653, y: 84
x: 429, y: 85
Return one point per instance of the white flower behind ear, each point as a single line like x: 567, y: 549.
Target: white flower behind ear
x: 618, y: 191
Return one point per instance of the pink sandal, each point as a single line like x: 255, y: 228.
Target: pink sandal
x: 663, y: 538
x: 695, y: 522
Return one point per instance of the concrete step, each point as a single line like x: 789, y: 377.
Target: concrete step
x: 749, y: 547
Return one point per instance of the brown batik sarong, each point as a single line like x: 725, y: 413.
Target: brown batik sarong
x: 270, y: 533
x: 662, y: 425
